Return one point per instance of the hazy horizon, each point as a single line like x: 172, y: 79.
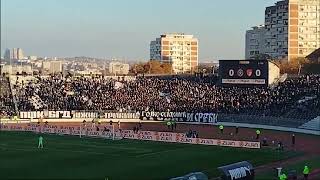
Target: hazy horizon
x: 123, y: 29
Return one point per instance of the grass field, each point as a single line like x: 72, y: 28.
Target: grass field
x: 71, y: 157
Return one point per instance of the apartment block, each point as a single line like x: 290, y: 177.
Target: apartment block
x: 255, y: 41
x: 178, y: 49
x: 292, y: 29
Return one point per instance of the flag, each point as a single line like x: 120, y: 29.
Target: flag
x: 118, y: 85
x: 168, y: 99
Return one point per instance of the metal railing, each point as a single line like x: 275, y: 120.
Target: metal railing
x: 263, y: 120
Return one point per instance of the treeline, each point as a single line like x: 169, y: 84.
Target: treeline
x: 152, y: 67
x: 299, y: 65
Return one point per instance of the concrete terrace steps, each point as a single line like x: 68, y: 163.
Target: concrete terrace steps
x: 313, y: 124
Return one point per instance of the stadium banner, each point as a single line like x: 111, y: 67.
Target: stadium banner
x: 113, y: 115
x: 32, y: 128
x: 244, y: 81
x: 63, y: 131
x: 78, y: 116
x: 16, y: 128
x: 75, y: 132
x: 180, y: 116
x: 182, y: 138
x: 4, y: 127
x: 85, y: 114
x: 248, y: 144
x: 129, y: 134
x: 146, y: 135
x: 48, y: 130
x: 94, y: 133
x: 165, y: 136
x: 45, y: 114
x: 208, y: 141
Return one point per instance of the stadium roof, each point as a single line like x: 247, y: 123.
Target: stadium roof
x: 314, y: 56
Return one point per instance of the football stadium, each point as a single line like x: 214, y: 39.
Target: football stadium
x: 249, y: 122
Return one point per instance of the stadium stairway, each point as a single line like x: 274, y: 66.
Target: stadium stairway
x: 13, y: 93
x: 313, y: 124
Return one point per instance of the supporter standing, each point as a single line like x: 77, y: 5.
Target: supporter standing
x: 306, y: 172
x: 293, y: 139
x: 168, y: 124
x: 258, y: 132
x: 283, y: 176
x: 221, y: 129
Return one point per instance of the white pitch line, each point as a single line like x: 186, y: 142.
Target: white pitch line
x: 49, y: 149
x: 91, y: 144
x: 102, y: 146
x: 158, y: 152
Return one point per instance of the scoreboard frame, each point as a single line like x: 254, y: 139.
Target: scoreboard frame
x: 243, y: 72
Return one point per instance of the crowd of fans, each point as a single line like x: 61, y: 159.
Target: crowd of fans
x: 6, y: 100
x: 294, y: 97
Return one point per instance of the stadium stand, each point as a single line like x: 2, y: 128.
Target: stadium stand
x: 314, y: 56
x: 7, y: 108
x: 291, y: 103
x: 313, y: 124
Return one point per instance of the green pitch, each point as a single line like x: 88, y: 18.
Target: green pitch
x: 71, y: 157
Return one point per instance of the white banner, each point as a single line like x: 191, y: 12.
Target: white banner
x: 121, y: 115
x: 80, y: 114
x: 244, y: 81
x: 181, y: 116
x: 45, y: 114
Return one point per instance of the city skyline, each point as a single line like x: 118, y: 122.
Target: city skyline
x: 124, y: 29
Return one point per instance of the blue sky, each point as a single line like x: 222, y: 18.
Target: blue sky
x: 124, y: 28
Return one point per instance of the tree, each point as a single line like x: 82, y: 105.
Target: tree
x: 262, y: 57
x: 155, y: 67
x: 139, y: 68
x: 204, y: 68
x: 167, y: 68
x: 292, y: 67
x: 152, y: 67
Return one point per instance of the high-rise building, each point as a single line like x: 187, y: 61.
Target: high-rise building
x: 178, y: 49
x: 20, y: 54
x: 7, y: 54
x: 292, y: 28
x: 14, y: 53
x: 255, y: 41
